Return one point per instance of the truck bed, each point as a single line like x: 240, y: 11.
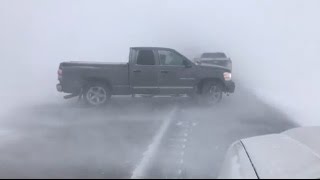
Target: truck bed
x: 75, y: 75
x: 90, y: 63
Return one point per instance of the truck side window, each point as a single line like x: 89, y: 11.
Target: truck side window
x: 169, y: 58
x: 146, y: 57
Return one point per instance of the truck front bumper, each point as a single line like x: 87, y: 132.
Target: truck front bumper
x: 59, y: 87
x: 230, y: 86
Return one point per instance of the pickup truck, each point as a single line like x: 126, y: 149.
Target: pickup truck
x: 150, y: 71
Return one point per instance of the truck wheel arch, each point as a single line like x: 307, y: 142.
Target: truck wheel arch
x: 88, y: 81
x: 203, y: 81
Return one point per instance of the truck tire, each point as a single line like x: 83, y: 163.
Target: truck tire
x: 96, y: 94
x: 212, y: 92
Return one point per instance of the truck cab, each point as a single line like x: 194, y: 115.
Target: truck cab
x: 160, y: 71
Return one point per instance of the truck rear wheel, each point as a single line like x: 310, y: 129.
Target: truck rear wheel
x: 97, y: 94
x: 212, y: 92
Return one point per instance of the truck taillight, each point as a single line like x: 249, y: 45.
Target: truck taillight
x: 60, y: 74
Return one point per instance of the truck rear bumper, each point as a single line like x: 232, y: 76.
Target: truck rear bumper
x: 230, y: 86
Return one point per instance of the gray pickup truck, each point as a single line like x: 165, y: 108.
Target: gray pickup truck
x: 150, y: 71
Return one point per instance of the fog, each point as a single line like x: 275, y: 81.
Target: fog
x: 274, y: 44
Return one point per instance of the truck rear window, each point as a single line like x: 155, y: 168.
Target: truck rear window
x: 146, y: 57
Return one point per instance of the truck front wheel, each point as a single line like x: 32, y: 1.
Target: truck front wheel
x: 97, y: 94
x: 212, y: 92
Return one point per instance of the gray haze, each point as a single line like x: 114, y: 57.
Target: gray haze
x: 274, y: 43
x: 274, y: 46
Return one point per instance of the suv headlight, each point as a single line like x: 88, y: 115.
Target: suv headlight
x: 227, y: 76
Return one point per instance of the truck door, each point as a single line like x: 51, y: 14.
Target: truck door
x: 176, y: 73
x: 144, y: 72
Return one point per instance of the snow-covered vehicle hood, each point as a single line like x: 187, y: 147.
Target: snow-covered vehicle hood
x: 221, y: 62
x: 292, y: 154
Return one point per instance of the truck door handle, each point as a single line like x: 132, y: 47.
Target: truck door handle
x: 165, y: 72
x: 137, y: 71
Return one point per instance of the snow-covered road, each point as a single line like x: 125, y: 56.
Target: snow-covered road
x: 67, y: 140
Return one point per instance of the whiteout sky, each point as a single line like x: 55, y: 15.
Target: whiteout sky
x: 274, y: 44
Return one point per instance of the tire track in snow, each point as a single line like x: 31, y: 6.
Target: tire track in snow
x: 149, y: 154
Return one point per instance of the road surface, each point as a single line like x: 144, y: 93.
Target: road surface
x: 130, y: 138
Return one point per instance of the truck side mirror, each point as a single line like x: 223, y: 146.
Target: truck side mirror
x: 187, y: 64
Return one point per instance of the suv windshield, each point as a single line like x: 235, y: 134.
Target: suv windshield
x: 213, y: 55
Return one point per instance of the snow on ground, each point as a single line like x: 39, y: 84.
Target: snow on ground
x: 65, y: 139
x: 299, y: 103
x: 300, y: 106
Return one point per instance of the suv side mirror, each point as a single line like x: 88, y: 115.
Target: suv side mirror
x: 187, y: 64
